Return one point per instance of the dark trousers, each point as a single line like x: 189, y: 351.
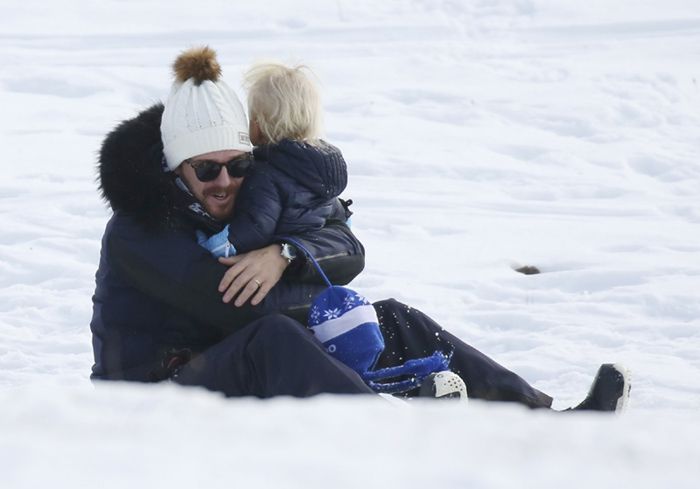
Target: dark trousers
x: 276, y: 356
x: 408, y: 333
x: 272, y: 356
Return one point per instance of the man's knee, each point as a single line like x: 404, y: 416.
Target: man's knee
x: 388, y: 304
x: 277, y: 326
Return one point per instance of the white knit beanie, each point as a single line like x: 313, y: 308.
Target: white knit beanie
x: 202, y: 113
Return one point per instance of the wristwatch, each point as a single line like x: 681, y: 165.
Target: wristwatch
x: 288, y: 252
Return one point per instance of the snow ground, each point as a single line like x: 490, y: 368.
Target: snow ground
x: 481, y: 135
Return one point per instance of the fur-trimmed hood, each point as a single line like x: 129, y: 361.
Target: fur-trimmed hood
x: 131, y: 177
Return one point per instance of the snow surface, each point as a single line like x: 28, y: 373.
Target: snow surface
x: 481, y: 136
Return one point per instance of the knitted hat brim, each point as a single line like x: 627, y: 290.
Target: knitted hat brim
x: 206, y: 140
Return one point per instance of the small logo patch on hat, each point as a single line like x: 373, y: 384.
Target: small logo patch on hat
x: 243, y: 138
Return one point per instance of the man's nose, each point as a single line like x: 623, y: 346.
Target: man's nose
x: 223, y: 179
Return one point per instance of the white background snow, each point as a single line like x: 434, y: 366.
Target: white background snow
x: 481, y: 136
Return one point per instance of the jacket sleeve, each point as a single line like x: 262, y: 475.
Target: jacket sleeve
x: 336, y: 249
x: 257, y: 211
x: 171, y: 267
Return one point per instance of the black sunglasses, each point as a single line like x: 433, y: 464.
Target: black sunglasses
x: 207, y: 170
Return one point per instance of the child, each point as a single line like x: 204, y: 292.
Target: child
x: 295, y: 180
x: 290, y: 189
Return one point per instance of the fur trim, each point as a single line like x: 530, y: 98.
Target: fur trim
x: 131, y: 177
x: 198, y: 63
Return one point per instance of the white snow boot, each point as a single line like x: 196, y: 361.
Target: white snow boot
x: 444, y: 385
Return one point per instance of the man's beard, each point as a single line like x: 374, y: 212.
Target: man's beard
x: 187, y: 205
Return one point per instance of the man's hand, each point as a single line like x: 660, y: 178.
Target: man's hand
x: 252, y: 274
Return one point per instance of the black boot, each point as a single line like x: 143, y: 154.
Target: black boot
x: 609, y: 392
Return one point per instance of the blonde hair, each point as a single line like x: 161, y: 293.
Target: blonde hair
x: 284, y: 102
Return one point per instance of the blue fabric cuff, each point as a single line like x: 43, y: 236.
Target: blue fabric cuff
x: 218, y: 244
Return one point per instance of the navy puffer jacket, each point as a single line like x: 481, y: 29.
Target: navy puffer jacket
x: 291, y: 190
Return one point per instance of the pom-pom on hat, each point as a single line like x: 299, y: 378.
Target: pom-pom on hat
x: 202, y: 113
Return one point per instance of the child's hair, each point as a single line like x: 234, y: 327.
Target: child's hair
x: 284, y: 102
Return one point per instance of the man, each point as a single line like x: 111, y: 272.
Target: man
x: 156, y: 303
x: 158, y: 313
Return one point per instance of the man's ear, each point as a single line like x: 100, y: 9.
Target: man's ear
x: 256, y: 135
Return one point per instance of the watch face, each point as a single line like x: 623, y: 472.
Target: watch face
x: 288, y: 252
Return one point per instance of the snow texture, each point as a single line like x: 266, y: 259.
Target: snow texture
x: 481, y: 136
